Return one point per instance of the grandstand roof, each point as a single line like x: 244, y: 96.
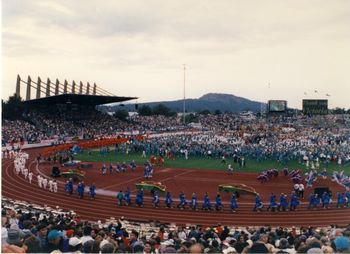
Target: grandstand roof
x: 80, y: 99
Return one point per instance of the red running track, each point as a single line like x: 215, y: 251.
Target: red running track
x: 188, y: 180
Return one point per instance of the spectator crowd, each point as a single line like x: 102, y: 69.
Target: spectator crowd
x: 33, y: 229
x: 307, y: 139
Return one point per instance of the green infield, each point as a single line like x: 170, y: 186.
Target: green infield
x: 198, y: 162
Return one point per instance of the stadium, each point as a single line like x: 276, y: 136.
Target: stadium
x: 63, y: 160
x: 175, y: 126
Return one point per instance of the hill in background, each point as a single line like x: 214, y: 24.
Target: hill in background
x: 210, y: 101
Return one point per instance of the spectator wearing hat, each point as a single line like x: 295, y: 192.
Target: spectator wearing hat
x: 75, y: 244
x: 54, y: 239
x: 342, y: 244
x: 15, y: 237
x: 65, y: 242
x: 229, y: 250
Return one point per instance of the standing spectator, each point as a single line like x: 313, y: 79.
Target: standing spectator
x: 54, y: 237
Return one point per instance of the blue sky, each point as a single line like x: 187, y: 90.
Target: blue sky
x: 137, y: 48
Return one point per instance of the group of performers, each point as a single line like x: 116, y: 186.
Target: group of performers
x: 123, y: 198
x: 343, y: 200
x: 315, y: 201
x: 267, y: 175
x: 122, y: 167
x: 119, y: 168
x: 80, y: 189
x: 292, y: 203
x: 341, y: 179
x: 283, y: 204
x: 296, y: 176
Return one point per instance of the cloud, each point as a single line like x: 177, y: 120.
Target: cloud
x: 143, y: 44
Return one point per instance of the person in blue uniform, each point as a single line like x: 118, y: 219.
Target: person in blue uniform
x: 80, y: 190
x: 326, y: 199
x: 218, y: 203
x: 283, y: 203
x: 273, y: 203
x: 258, y: 203
x: 340, y: 200
x: 127, y: 197
x: 294, y: 201
x: 206, y: 202
x: 347, y: 195
x: 168, y: 200
x: 182, y: 203
x: 312, y: 201
x: 139, y: 198
x: 317, y: 200
x: 234, y: 205
x: 69, y: 187
x: 156, y: 199
x: 194, y: 201
x: 92, y: 191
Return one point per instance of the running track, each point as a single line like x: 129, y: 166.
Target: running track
x: 104, y: 206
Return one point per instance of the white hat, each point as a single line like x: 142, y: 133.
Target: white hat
x: 229, y: 250
x: 74, y: 241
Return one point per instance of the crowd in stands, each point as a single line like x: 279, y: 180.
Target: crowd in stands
x: 303, y: 138
x: 47, y: 125
x: 34, y: 229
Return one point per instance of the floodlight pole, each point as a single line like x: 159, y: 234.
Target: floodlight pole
x: 184, y: 106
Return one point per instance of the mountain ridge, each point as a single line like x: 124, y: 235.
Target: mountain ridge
x: 210, y: 101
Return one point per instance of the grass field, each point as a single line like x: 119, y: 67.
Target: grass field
x: 198, y: 163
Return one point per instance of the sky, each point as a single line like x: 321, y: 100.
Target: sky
x: 260, y: 50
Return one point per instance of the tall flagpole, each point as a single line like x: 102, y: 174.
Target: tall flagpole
x: 184, y: 106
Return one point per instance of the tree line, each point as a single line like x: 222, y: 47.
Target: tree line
x: 13, y: 108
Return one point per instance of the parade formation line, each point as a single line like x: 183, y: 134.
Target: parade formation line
x: 105, y: 206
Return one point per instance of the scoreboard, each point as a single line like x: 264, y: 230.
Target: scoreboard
x: 315, y: 107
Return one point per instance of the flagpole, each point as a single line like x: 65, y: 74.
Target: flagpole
x: 184, y: 103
